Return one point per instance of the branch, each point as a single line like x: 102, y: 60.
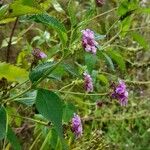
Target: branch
x: 10, y: 40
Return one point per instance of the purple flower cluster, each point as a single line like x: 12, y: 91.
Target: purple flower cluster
x: 121, y: 93
x: 88, y: 41
x: 76, y: 125
x: 88, y: 84
x: 38, y: 54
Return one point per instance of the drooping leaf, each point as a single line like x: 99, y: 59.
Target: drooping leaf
x: 50, y: 106
x: 40, y: 70
x: 52, y: 22
x: 108, y: 60
x: 13, y: 73
x: 13, y: 139
x: 115, y: 56
x: 3, y: 122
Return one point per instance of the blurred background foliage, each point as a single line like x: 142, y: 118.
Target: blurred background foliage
x: 122, y: 29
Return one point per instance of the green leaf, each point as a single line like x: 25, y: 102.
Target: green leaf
x: 52, y: 22
x: 68, y: 112
x: 57, y: 6
x: 3, y: 10
x: 7, y: 20
x: 117, y: 58
x: 50, y: 106
x: 90, y: 61
x: 13, y: 73
x: 3, y: 122
x: 103, y: 79
x: 29, y: 98
x: 71, y: 69
x: 24, y: 7
x: 107, y: 59
x: 125, y: 25
x: 144, y: 10
x: 40, y: 70
x: 13, y: 139
x: 72, y: 12
x: 140, y: 39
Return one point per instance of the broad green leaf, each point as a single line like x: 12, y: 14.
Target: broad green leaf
x: 29, y: 98
x: 51, y: 107
x: 68, y: 112
x: 90, y: 61
x: 140, y: 39
x: 40, y: 70
x: 114, y: 55
x: 24, y: 7
x: 58, y: 73
x: 71, y: 69
x: 52, y: 22
x: 3, y: 122
x: 13, y: 73
x: 13, y: 139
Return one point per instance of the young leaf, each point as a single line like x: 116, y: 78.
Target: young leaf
x: 13, y: 73
x: 90, y: 61
x: 3, y: 122
x: 117, y: 58
x: 50, y: 106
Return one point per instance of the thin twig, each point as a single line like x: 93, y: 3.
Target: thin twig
x: 10, y: 40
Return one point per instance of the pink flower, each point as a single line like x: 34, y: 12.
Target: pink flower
x: 38, y: 54
x: 88, y: 84
x: 88, y: 41
x: 76, y: 126
x: 120, y: 93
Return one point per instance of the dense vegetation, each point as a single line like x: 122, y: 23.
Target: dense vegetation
x: 74, y: 74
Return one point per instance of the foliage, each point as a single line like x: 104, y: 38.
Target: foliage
x: 39, y: 95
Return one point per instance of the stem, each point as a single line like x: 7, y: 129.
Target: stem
x: 30, y: 119
x: 10, y: 40
x: 78, y: 93
x: 37, y: 138
x: 103, y: 13
x: 18, y: 95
